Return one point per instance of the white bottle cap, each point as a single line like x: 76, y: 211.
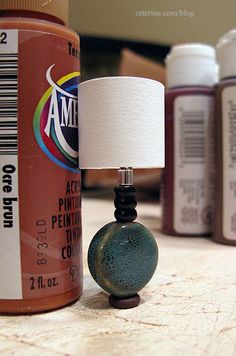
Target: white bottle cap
x: 226, y: 54
x: 191, y: 64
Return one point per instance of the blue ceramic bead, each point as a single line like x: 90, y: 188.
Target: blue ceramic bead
x: 123, y: 257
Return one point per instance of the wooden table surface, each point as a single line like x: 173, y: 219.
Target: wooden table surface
x: 188, y: 308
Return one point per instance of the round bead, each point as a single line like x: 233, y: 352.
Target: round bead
x: 123, y: 257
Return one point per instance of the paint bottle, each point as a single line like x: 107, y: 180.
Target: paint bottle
x: 188, y: 176
x: 225, y: 200
x: 40, y: 237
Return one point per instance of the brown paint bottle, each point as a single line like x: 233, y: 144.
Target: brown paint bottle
x: 40, y: 236
x: 187, y: 179
x: 225, y: 201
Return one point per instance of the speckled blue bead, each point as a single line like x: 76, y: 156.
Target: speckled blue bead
x: 123, y: 257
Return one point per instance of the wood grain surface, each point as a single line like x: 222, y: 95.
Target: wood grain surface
x: 188, y: 308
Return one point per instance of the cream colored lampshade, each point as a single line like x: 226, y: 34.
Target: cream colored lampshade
x: 121, y: 123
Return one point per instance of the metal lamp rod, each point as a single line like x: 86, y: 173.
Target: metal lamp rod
x: 125, y: 176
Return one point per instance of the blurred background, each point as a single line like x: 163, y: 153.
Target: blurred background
x: 133, y: 37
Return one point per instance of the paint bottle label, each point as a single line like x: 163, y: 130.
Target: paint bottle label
x: 229, y: 162
x: 193, y: 164
x: 40, y: 224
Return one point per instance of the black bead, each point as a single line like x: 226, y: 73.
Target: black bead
x: 125, y: 203
x: 124, y: 303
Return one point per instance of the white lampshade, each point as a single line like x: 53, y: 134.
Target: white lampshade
x: 121, y: 123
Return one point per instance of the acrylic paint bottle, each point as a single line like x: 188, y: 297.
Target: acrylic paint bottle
x: 187, y: 178
x: 40, y: 237
x: 225, y: 201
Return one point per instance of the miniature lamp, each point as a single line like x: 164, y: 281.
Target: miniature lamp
x: 122, y: 126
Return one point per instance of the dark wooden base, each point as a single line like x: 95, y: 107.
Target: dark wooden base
x: 124, y: 303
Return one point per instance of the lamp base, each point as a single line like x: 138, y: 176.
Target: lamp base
x: 122, y: 258
x: 123, y: 254
x: 124, y: 303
